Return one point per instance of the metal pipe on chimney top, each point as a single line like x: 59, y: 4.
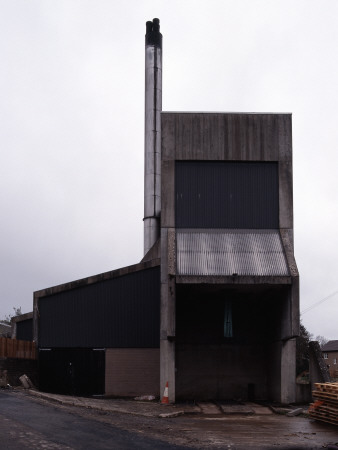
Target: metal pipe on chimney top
x: 152, y: 136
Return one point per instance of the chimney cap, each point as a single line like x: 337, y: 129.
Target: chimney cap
x: 153, y: 35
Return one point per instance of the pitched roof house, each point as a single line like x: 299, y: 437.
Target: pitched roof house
x: 330, y: 355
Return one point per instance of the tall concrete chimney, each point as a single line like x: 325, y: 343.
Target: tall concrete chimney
x: 152, y: 137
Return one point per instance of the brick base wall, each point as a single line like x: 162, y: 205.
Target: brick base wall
x: 132, y: 371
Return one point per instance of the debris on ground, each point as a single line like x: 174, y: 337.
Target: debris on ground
x: 280, y: 410
x: 145, y: 398
x: 26, y: 382
x: 3, y: 378
x: 171, y: 415
x: 295, y: 412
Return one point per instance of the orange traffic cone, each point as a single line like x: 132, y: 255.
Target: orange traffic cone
x: 165, y: 398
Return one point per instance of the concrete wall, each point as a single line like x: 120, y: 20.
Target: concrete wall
x: 227, y: 137
x: 246, y: 365
x: 223, y: 371
x: 132, y: 371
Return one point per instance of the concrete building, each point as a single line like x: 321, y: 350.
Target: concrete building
x: 218, y: 228
x: 229, y: 281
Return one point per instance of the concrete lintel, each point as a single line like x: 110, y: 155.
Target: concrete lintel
x: 226, y: 136
x: 22, y: 317
x: 232, y: 280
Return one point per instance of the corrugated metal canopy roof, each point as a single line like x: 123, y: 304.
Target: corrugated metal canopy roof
x: 228, y: 252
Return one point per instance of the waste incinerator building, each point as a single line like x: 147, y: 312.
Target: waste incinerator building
x: 213, y: 307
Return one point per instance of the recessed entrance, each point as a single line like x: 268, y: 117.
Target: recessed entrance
x: 223, y: 340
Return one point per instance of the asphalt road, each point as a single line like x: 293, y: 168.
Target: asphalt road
x: 25, y: 424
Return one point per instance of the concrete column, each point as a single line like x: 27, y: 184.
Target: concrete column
x: 288, y: 372
x: 167, y: 370
x: 168, y: 320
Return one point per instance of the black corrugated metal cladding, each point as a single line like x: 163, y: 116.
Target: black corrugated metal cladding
x: 24, y: 330
x: 121, y: 312
x: 227, y: 194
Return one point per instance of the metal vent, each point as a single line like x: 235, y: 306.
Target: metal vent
x: 229, y: 252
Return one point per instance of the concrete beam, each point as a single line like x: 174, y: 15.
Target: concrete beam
x: 232, y: 280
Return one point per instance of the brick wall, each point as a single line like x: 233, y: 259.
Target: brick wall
x: 332, y: 362
x: 132, y: 371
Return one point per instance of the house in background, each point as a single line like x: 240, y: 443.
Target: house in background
x: 213, y: 307
x: 330, y: 355
x: 5, y: 330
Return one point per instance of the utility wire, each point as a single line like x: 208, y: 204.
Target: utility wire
x: 319, y: 302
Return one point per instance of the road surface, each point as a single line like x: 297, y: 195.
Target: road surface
x: 27, y: 424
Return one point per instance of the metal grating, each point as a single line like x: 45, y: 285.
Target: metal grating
x: 229, y: 252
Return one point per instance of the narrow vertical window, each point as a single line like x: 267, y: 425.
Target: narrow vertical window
x: 227, y: 319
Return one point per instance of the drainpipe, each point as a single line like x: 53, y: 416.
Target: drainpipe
x: 152, y: 136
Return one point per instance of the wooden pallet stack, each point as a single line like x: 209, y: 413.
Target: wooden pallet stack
x: 325, y: 406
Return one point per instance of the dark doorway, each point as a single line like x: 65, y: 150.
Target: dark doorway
x: 222, y: 340
x: 73, y: 371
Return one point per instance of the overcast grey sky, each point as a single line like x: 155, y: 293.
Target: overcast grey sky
x: 71, y: 126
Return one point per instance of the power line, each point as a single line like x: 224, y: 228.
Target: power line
x: 319, y: 302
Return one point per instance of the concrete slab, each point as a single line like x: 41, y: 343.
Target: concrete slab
x: 209, y: 408
x: 228, y: 408
x: 259, y: 409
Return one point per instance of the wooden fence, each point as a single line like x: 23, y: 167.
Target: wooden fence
x: 13, y: 348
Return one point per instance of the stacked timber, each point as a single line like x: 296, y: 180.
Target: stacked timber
x: 325, y: 406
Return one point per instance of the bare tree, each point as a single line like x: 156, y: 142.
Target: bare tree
x: 7, y: 319
x: 321, y: 340
x: 302, y: 350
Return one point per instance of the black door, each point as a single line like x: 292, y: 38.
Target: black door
x: 73, y: 371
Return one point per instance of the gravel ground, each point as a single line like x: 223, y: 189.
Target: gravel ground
x: 197, y: 429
